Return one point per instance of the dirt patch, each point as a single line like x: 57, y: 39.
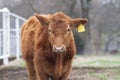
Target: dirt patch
x: 84, y: 73
x: 13, y: 73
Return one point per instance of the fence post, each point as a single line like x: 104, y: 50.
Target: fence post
x: 6, y: 37
x: 17, y: 38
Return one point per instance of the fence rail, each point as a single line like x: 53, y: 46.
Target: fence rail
x: 9, y: 35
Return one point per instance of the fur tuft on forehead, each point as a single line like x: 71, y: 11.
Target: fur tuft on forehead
x: 60, y: 16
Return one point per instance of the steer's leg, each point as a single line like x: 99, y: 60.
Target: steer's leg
x: 65, y: 75
x: 31, y: 70
x: 43, y: 76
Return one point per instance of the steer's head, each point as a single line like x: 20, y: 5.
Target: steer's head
x: 59, y: 29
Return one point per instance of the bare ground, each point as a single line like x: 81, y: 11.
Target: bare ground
x: 19, y: 73
x: 14, y: 71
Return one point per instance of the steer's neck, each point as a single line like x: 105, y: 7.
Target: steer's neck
x: 58, y: 63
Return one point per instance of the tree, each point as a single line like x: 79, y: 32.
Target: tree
x: 85, y: 5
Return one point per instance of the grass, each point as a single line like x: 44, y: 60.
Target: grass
x: 100, y: 67
x: 97, y: 61
x: 105, y: 61
x: 22, y: 64
x: 106, y: 74
x: 117, y: 77
x: 99, y: 76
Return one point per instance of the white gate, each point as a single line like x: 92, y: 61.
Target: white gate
x: 9, y: 34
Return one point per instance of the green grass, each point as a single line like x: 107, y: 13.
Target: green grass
x: 117, y: 77
x: 104, y: 74
x: 100, y: 67
x: 104, y: 63
x: 97, y: 61
x: 92, y: 61
x: 22, y: 64
x: 99, y: 76
x: 88, y: 61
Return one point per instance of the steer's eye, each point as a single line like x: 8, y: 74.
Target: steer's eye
x: 68, y: 29
x: 49, y: 30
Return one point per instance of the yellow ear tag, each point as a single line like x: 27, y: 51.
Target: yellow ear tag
x: 81, y: 28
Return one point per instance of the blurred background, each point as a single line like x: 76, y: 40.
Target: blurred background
x: 102, y: 31
x: 98, y: 48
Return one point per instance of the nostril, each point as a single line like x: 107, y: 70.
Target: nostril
x: 62, y: 48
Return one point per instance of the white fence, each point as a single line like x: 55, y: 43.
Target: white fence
x: 9, y: 35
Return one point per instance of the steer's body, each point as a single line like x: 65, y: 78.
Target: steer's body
x: 48, y: 46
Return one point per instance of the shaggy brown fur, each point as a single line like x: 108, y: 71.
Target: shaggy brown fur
x: 48, y: 45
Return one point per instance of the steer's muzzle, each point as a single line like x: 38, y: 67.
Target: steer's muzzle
x: 59, y: 49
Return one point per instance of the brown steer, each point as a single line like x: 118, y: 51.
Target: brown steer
x: 48, y: 45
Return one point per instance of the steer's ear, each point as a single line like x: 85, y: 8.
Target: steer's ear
x: 76, y: 22
x: 43, y: 20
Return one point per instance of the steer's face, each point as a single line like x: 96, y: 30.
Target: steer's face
x: 59, y: 35
x: 59, y: 30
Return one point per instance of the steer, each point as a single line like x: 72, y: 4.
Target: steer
x: 48, y: 45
